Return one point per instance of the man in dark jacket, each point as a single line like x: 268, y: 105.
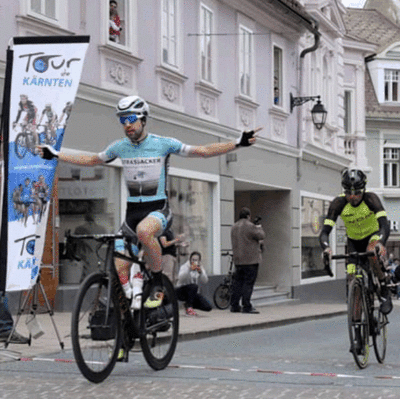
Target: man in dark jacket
x: 246, y: 237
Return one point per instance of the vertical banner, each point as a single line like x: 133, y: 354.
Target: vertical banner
x: 43, y: 83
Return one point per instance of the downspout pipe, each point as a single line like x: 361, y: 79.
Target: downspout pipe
x: 314, y: 47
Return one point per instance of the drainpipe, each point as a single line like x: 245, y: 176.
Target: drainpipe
x: 317, y: 36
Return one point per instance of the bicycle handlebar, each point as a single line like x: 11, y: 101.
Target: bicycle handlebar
x: 347, y: 256
x: 226, y: 253
x: 99, y: 237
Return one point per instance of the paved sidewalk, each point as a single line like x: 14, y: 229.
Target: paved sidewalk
x: 206, y: 324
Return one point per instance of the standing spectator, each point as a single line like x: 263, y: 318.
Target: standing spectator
x: 7, y: 323
x: 190, y: 274
x: 246, y: 237
x: 115, y: 22
x: 169, y: 251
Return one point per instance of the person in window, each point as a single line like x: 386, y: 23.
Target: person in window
x: 114, y: 22
x: 191, y: 274
x: 145, y: 158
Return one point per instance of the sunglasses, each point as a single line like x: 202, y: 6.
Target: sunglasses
x: 131, y: 118
x: 353, y: 192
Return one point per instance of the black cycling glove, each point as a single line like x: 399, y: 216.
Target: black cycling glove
x: 49, y: 152
x: 244, y: 139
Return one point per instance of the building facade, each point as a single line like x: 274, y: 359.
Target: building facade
x: 209, y: 70
x: 382, y: 106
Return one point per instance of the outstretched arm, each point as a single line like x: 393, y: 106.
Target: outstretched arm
x: 48, y: 152
x: 215, y: 149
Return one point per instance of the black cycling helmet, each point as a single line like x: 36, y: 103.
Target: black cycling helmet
x: 353, y: 179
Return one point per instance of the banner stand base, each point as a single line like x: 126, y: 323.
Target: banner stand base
x: 34, y: 328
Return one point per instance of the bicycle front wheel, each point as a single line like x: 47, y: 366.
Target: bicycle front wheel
x: 20, y: 145
x: 222, y: 296
x: 379, y: 333
x: 358, y: 322
x: 96, y: 329
x: 159, y: 327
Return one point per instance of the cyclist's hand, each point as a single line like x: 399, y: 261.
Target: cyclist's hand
x: 247, y: 138
x: 47, y: 152
x: 378, y: 248
x: 326, y: 257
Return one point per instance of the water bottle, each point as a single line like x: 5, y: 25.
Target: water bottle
x: 137, y: 286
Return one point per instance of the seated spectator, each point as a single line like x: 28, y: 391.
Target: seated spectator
x: 190, y: 275
x: 7, y: 323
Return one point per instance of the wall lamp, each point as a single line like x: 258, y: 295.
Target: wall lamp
x: 318, y: 113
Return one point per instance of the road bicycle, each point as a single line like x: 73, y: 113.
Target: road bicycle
x: 223, y: 293
x: 103, y: 324
x: 24, y: 141
x: 366, y: 323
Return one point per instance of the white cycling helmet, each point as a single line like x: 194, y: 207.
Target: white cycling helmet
x: 132, y: 105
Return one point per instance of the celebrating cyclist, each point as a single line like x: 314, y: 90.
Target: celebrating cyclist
x: 366, y: 224
x: 145, y: 162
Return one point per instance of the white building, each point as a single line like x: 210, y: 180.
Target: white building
x: 209, y: 70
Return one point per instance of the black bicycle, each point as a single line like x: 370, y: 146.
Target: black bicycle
x: 103, y: 327
x: 364, y: 317
x: 223, y: 293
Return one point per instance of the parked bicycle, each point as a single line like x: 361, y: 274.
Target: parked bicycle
x: 364, y: 317
x: 223, y: 293
x: 102, y: 322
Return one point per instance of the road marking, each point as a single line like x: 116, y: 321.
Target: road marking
x: 218, y: 368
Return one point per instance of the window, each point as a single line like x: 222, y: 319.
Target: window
x: 245, y: 60
x: 206, y: 50
x: 392, y: 77
x: 347, y: 112
x: 391, y: 161
x: 89, y: 202
x: 312, y: 217
x: 277, y: 97
x: 117, y: 26
x: 46, y: 8
x: 191, y: 205
x: 169, y: 32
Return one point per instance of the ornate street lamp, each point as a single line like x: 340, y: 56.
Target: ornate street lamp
x: 318, y: 113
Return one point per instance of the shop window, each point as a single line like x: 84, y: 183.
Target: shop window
x: 89, y: 203
x: 312, y: 217
x: 191, y: 204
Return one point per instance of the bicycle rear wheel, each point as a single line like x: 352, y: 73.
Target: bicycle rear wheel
x: 379, y: 333
x: 159, y: 327
x: 358, y: 323
x: 222, y: 296
x: 96, y: 335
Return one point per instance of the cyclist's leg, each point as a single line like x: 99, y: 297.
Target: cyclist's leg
x: 385, y: 296
x: 148, y: 230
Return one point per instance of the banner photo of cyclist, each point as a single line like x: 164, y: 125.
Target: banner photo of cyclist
x: 42, y: 79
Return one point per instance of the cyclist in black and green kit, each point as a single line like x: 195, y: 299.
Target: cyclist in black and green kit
x: 367, y: 227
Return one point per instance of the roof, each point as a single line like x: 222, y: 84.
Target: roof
x: 371, y: 26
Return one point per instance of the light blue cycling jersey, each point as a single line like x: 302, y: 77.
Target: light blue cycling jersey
x: 145, y: 164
